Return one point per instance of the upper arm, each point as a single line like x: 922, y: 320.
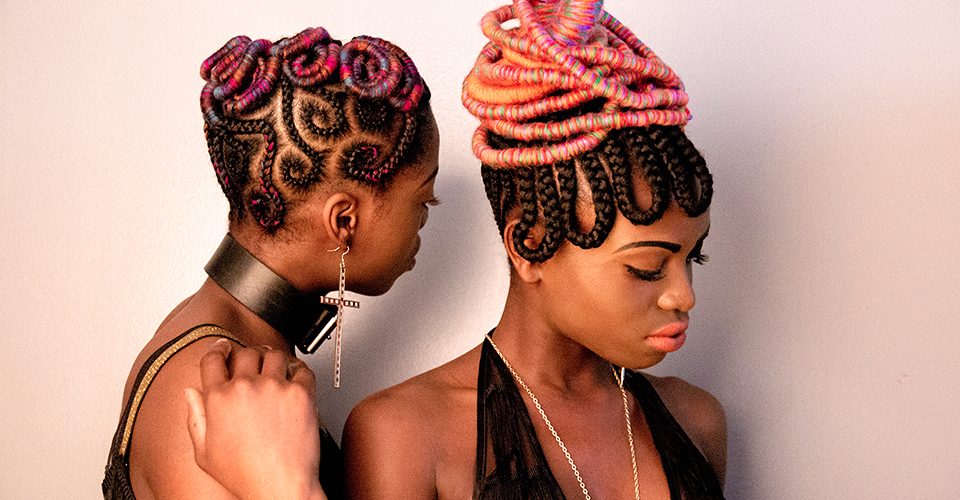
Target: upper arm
x: 702, y: 417
x: 388, y: 449
x: 162, y: 462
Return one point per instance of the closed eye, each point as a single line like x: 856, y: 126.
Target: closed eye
x: 645, y: 274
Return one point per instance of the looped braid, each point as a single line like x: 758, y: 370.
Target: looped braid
x: 652, y: 168
x: 689, y: 165
x: 603, y: 207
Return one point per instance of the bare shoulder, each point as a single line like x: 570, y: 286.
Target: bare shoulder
x: 161, y: 454
x: 700, y: 414
x: 393, y: 438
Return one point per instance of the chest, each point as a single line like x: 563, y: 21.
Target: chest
x: 597, y: 441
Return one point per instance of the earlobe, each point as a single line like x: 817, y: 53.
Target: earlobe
x: 526, y: 270
x: 340, y: 216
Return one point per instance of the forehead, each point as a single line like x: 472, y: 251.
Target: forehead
x: 428, y: 162
x: 675, y: 226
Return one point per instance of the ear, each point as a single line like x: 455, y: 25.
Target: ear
x: 526, y: 270
x: 339, y: 217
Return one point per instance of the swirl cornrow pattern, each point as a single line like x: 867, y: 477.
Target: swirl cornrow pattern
x: 367, y: 165
x: 374, y: 116
x: 265, y: 203
x: 332, y: 114
x: 317, y: 158
x: 243, y: 76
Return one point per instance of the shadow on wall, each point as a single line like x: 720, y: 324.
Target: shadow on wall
x: 423, y: 320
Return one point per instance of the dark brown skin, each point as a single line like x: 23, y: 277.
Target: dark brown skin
x: 562, y: 320
x: 381, y: 230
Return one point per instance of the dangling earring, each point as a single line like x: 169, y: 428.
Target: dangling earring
x: 340, y: 303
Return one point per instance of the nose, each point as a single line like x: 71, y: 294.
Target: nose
x: 677, y: 294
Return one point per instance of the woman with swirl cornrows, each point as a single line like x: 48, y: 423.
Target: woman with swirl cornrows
x: 602, y: 202
x: 327, y: 153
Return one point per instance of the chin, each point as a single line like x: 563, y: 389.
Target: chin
x: 639, y: 361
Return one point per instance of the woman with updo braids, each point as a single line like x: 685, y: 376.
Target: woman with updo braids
x: 602, y: 202
x: 326, y: 153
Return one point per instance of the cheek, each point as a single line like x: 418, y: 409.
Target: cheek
x: 604, y: 312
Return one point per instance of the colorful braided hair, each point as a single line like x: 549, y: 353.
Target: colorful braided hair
x: 307, y: 106
x: 572, y: 94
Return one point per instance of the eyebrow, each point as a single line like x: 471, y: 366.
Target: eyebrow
x: 672, y: 247
x: 431, y: 176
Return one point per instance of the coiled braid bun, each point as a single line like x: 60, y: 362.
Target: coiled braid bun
x: 281, y: 116
x: 571, y: 96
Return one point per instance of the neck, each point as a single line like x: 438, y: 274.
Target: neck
x: 542, y: 354
x: 225, y: 311
x: 297, y: 316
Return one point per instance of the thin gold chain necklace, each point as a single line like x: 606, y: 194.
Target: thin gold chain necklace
x: 556, y: 436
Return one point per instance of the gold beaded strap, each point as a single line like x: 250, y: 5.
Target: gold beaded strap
x: 160, y: 358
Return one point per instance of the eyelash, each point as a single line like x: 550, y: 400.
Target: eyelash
x: 699, y: 258
x: 657, y: 275
x: 433, y: 202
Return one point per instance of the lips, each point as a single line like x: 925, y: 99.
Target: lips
x: 669, y: 338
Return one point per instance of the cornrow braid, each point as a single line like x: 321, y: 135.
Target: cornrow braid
x: 362, y: 161
x: 265, y: 203
x: 555, y: 219
x: 529, y: 214
x: 316, y: 82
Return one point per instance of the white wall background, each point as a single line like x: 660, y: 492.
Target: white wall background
x: 827, y: 318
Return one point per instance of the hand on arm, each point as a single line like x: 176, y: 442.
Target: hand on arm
x: 255, y: 427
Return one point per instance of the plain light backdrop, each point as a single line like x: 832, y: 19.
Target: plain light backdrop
x: 826, y: 319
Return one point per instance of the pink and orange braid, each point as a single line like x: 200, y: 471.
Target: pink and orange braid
x: 564, y: 54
